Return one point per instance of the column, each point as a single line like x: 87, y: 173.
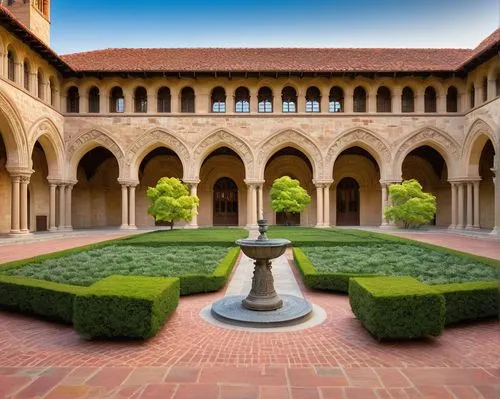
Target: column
x: 254, y: 206
x: 325, y: 100
x: 103, y: 102
x: 348, y: 100
x: 301, y: 101
x: 68, y: 193
x: 478, y: 94
x: 496, y: 182
x: 230, y: 102
x: 384, y: 204
x: 254, y: 101
x: 14, y: 216
x: 441, y: 102
x: 251, y: 205
x: 62, y: 202
x: 319, y: 205
x: 469, y: 206
x: 453, y: 206
x: 24, y: 204
x: 260, y: 214
x: 52, y: 210
x: 419, y: 103
x: 372, y: 101
x: 396, y: 100
x: 461, y: 208
x: 326, y: 205
x: 152, y: 103
x: 477, y: 221
x: 194, y: 193
x: 124, y: 207
x: 131, y: 203
x: 84, y: 104
x: 174, y: 101
x: 492, y: 89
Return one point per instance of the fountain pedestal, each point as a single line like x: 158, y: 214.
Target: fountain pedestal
x: 262, y: 296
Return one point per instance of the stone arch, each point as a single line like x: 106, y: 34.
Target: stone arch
x: 479, y: 133
x: 46, y: 132
x: 222, y: 138
x: 151, y: 140
x: 294, y: 139
x: 365, y: 139
x: 442, y: 142
x: 88, y: 141
x: 14, y: 135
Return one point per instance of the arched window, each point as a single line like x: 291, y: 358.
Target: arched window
x: 472, y: 96
x: 164, y: 98
x: 218, y: 100
x: 242, y: 100
x: 26, y: 69
x: 73, y: 100
x: 430, y: 103
x: 485, y: 89
x: 407, y: 100
x: 116, y: 100
x: 359, y: 99
x: 11, y: 66
x: 40, y: 85
x: 384, y: 99
x: 94, y: 100
x: 187, y: 99
x: 313, y: 98
x: 336, y: 100
x: 452, y: 99
x: 289, y: 99
x: 53, y: 92
x: 265, y: 98
x: 141, y: 100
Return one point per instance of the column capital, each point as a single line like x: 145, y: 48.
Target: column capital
x: 25, y: 179
x: 253, y: 182
x: 464, y: 180
x: 19, y: 172
x: 128, y: 183
x: 191, y: 181
x: 389, y: 182
x: 324, y: 182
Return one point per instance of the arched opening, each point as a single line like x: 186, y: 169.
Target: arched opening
x: 356, y: 198
x: 53, y: 91
x: 265, y: 98
x: 292, y: 162
x: 472, y: 96
x: 407, y: 100
x: 384, y: 99
x: 157, y: 163
x: 187, y: 100
x: 97, y: 195
x: 430, y: 102
x: 41, y: 86
x: 218, y: 100
x: 336, y: 100
x: 39, y: 192
x: 452, y: 99
x: 428, y: 166
x: 140, y: 100
x: 225, y: 202
x: 485, y: 89
x: 27, y: 71
x: 222, y: 189
x: 289, y: 99
x: 242, y: 100
x: 94, y: 100
x: 5, y: 189
x: 487, y: 187
x: 11, y: 65
x: 313, y: 100
x: 73, y: 100
x: 116, y: 100
x: 164, y: 100
x: 359, y: 99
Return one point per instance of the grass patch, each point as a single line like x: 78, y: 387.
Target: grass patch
x: 306, y: 236
x: 207, y: 236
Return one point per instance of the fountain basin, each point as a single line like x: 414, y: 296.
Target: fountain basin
x: 263, y: 249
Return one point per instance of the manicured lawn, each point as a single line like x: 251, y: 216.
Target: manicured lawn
x: 198, y: 236
x: 307, y: 236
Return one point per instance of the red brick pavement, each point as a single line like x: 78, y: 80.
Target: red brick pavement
x: 191, y: 358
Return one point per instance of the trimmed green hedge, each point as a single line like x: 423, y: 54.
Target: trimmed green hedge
x: 125, y: 306
x: 43, y: 298
x: 470, y: 301
x: 397, y: 307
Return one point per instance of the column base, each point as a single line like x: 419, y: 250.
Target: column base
x: 132, y: 227
x: 321, y: 226
x: 124, y: 227
x: 469, y: 227
x: 452, y: 227
x: 495, y: 231
x: 53, y: 230
x: 20, y: 233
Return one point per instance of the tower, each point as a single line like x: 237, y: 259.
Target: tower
x: 35, y: 14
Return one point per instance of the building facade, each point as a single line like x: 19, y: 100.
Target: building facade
x: 82, y: 136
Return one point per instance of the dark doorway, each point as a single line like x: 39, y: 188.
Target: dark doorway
x: 348, y: 202
x: 225, y: 202
x: 292, y: 219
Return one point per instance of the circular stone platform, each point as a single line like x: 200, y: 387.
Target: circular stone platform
x: 230, y: 310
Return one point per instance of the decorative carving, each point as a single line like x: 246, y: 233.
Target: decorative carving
x: 478, y: 128
x: 97, y: 137
x: 17, y: 155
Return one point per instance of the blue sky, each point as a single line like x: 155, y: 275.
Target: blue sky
x: 95, y: 24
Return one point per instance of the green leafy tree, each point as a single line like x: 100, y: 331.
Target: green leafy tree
x: 170, y: 201
x: 288, y: 196
x: 410, y: 205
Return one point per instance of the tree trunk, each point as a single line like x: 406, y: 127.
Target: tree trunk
x: 172, y: 225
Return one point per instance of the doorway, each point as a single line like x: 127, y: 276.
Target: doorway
x: 225, y: 202
x: 348, y: 202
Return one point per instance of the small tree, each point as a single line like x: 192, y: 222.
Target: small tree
x: 410, y: 205
x: 170, y: 201
x: 288, y: 196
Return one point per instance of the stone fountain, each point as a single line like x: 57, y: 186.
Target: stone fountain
x: 262, y: 306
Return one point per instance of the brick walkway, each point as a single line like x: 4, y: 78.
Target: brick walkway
x: 191, y: 358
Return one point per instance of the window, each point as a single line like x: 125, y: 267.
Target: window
x: 73, y: 100
x: 359, y: 99
x: 289, y: 99
x: 336, y: 100
x: 430, y: 103
x: 265, y: 98
x: 11, y: 66
x: 116, y: 100
x: 384, y: 99
x: 26, y: 75
x: 313, y: 98
x: 242, y: 100
x: 187, y: 100
x: 407, y: 100
x: 141, y: 100
x: 472, y: 96
x: 485, y: 90
x: 52, y: 92
x: 40, y: 85
x: 164, y: 98
x: 452, y: 99
x: 218, y: 100
x: 94, y: 100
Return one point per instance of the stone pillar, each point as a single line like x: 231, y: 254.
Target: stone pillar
x: 469, y: 206
x: 384, y: 204
x: 152, y: 106
x: 68, y: 193
x: 477, y: 220
x: 348, y: 100
x: 396, y: 105
x: 478, y: 94
x: 62, y: 202
x: 254, y: 101
x: 14, y: 216
x: 453, y: 206
x: 319, y: 205
x: 174, y: 101
x: 326, y: 205
x: 84, y: 104
x: 131, y: 204
x: 25, y: 180
x: 419, y: 103
x: 103, y: 102
x: 325, y: 101
x: 124, y: 224
x: 230, y: 103
x: 251, y: 205
x: 461, y: 206
x: 441, y: 102
x: 260, y: 214
x: 496, y: 182
x: 371, y: 101
x: 194, y: 193
x: 52, y: 209
x: 128, y: 97
x: 492, y: 89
